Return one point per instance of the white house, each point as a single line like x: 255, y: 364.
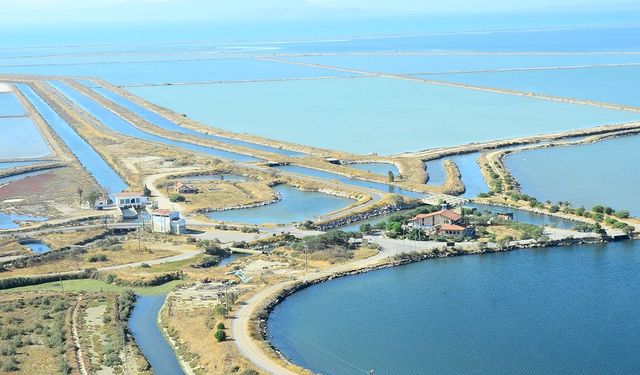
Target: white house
x: 168, y: 221
x: 127, y: 199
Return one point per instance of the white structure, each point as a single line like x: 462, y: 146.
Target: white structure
x: 434, y: 219
x: 168, y: 221
x: 131, y: 199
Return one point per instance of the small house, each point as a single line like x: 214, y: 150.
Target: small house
x: 182, y: 188
x: 454, y: 230
x: 168, y: 221
x: 128, y: 199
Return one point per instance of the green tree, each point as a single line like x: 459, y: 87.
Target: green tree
x: 92, y: 197
x: 598, y: 208
x: 554, y: 208
x: 365, y: 228
x: 220, y: 326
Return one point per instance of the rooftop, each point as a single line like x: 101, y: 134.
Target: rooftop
x: 452, y: 215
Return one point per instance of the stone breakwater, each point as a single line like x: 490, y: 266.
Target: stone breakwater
x: 406, y: 258
x: 370, y: 214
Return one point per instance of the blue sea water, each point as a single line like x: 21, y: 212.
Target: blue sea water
x: 295, y: 206
x: 585, y: 175
x: 617, y: 85
x: 364, y: 115
x: 87, y: 156
x: 548, y: 311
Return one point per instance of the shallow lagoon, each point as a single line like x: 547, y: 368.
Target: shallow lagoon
x: 585, y: 175
x: 563, y: 311
x: 618, y: 85
x: 363, y: 115
x: 21, y: 139
x: 87, y: 156
x: 10, y: 221
x: 295, y: 206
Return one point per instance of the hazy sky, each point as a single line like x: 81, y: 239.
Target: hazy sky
x: 71, y: 11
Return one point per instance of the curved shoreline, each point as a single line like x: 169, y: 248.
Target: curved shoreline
x: 250, y: 326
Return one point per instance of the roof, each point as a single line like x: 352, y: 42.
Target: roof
x: 452, y: 215
x: 129, y: 194
x: 179, y: 185
x: 162, y: 212
x: 451, y: 227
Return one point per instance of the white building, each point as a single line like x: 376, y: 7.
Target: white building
x: 127, y: 199
x: 168, y: 221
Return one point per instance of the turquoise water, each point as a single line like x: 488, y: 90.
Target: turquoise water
x: 398, y: 115
x: 10, y: 221
x: 547, y: 311
x: 385, y: 188
x: 449, y: 62
x: 295, y: 206
x: 118, y: 124
x: 164, y: 123
x: 21, y: 139
x: 585, y: 175
x: 10, y: 106
x: 379, y: 168
x: 87, y: 156
x: 616, y: 85
x: 136, y: 73
x: 149, y: 337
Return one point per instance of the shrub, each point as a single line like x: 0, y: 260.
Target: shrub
x: 220, y: 335
x: 98, y: 258
x: 177, y: 198
x: 220, y: 326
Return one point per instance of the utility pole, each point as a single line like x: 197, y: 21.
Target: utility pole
x: 226, y: 296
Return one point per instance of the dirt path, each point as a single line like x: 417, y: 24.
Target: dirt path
x: 75, y: 316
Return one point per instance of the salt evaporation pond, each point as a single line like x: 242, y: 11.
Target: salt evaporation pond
x: 120, y: 125
x: 11, y: 221
x: 10, y: 106
x: 558, y: 311
x: 164, y: 123
x: 21, y: 139
x: 402, y: 115
x: 618, y: 85
x: 87, y: 156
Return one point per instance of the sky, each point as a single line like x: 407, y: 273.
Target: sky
x: 83, y: 11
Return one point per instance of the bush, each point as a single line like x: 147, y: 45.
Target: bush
x: 623, y: 214
x: 220, y: 335
x: 220, y: 326
x: 177, y: 198
x: 98, y: 258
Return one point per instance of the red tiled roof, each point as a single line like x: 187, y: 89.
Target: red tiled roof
x: 451, y: 227
x: 451, y: 215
